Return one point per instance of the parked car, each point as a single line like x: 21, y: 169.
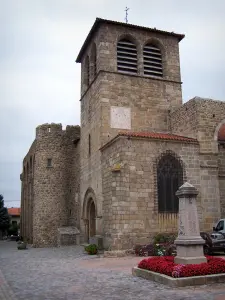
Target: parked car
x: 220, y: 226
x: 213, y: 245
x: 217, y: 235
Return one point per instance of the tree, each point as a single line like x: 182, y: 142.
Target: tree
x: 4, y: 217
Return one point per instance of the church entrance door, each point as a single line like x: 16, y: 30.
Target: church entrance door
x: 92, y: 219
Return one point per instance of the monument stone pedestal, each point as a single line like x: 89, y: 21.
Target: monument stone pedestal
x: 189, y: 242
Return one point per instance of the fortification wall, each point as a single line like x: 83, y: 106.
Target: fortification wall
x: 55, y: 181
x: 27, y: 189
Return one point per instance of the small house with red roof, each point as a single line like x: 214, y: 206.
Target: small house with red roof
x: 14, y: 213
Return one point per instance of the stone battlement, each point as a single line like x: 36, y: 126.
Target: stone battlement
x: 56, y: 129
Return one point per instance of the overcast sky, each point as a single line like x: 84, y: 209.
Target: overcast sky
x: 40, y: 82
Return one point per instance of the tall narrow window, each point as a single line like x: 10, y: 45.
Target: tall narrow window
x: 33, y: 163
x: 28, y: 171
x: 89, y: 144
x: 87, y: 71
x: 31, y: 166
x: 24, y: 173
x: 49, y: 162
x: 126, y: 56
x: 152, y: 61
x: 93, y: 61
x: 169, y: 179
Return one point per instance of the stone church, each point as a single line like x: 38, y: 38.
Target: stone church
x: 115, y: 175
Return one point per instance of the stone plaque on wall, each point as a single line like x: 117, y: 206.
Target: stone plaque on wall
x: 120, y: 117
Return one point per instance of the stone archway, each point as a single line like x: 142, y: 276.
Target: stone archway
x: 89, y: 215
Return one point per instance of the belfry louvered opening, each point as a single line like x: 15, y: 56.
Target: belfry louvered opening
x: 126, y: 57
x: 152, y: 61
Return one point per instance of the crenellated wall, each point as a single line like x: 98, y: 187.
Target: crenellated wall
x: 55, y: 184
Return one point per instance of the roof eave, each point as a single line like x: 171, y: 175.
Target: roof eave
x: 99, y: 20
x: 127, y: 136
x: 88, y: 38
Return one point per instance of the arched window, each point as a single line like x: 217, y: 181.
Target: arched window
x: 31, y: 166
x: 93, y: 61
x: 33, y: 163
x: 24, y: 173
x: 126, y: 57
x: 152, y: 61
x: 28, y: 170
x: 87, y: 71
x: 169, y: 179
x: 89, y: 145
x: 221, y: 135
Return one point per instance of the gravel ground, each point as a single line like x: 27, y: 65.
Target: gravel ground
x: 67, y: 273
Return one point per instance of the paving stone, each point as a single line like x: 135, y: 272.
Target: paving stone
x: 67, y: 273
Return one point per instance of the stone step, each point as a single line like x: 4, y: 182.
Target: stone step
x: 85, y: 245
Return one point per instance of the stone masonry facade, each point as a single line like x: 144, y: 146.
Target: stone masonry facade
x: 50, y: 185
x: 103, y: 177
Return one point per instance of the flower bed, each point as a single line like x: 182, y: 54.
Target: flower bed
x: 162, y: 245
x: 160, y: 249
x: 165, y: 265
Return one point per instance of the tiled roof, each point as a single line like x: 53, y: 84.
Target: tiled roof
x: 160, y: 136
x: 14, y: 211
x: 221, y: 133
x: 153, y: 136
x: 99, y: 21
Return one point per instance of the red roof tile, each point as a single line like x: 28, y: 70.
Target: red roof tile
x: 161, y: 136
x: 14, y: 211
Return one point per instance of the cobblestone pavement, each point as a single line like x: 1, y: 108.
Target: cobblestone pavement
x: 67, y: 273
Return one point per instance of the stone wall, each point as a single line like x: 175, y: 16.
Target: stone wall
x: 221, y: 171
x: 130, y: 207
x: 90, y: 172
x: 55, y: 184
x: 184, y: 120
x: 199, y: 118
x: 27, y: 194
x: 202, y: 118
x: 209, y: 189
x: 147, y: 99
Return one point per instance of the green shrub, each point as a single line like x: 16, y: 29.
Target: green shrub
x: 162, y: 238
x: 91, y: 249
x: 13, y: 229
x: 21, y: 245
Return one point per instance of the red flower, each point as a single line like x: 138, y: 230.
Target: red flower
x: 165, y: 265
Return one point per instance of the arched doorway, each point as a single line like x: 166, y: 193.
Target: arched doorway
x: 89, y: 215
x: 92, y: 219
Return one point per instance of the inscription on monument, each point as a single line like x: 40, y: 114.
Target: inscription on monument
x: 120, y: 117
x: 181, y: 229
x: 192, y: 216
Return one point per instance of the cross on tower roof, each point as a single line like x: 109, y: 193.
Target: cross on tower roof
x: 126, y: 10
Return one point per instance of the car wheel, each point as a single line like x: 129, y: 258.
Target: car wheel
x: 207, y: 251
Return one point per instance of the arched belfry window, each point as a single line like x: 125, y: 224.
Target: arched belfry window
x: 169, y: 179
x: 93, y: 61
x: 126, y: 56
x: 87, y: 71
x: 152, y: 60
